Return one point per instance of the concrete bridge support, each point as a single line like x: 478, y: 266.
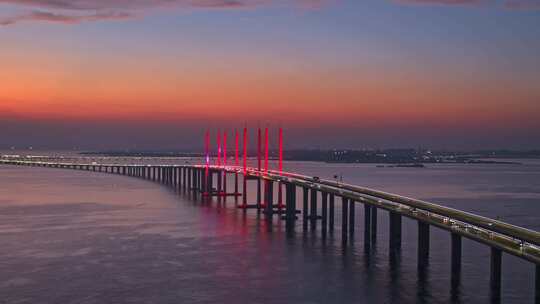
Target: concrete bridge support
x: 290, y: 206
x: 269, y: 198
x: 455, y: 261
x: 367, y: 225
x: 331, y: 214
x: 496, y: 274
x: 344, y: 219
x: 352, y: 214
x: 395, y: 232
x: 305, y: 208
x: 373, y: 224
x: 324, y: 211
x: 313, y: 209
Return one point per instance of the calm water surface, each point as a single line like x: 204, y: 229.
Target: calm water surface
x: 82, y: 237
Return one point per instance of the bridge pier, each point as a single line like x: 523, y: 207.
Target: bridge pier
x: 244, y: 192
x: 496, y: 274
x: 189, y: 176
x: 259, y: 191
x: 225, y: 183
x: 373, y: 224
x: 395, y: 232
x: 455, y: 261
x: 175, y: 177
x: 352, y: 215
x: 423, y: 244
x: 344, y: 219
x: 236, y: 184
x: 313, y: 209
x: 367, y: 225
x: 269, y: 198
x: 184, y: 180
x: 537, y: 284
x: 305, y: 208
x: 324, y: 222
x: 331, y: 213
x: 290, y: 206
x: 196, y: 180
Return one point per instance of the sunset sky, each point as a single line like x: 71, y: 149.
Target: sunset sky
x: 115, y: 74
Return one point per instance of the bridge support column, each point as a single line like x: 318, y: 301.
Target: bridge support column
x: 197, y: 180
x: 352, y: 220
x: 259, y: 192
x: 219, y: 182
x: 331, y: 213
x: 344, y: 219
x: 244, y: 192
x: 189, y: 176
x: 290, y: 206
x: 367, y: 225
x: 305, y: 208
x: 313, y: 209
x: 225, y: 182
x: 184, y: 180
x: 324, y: 223
x: 373, y: 224
x: 456, y: 261
x: 194, y: 174
x: 269, y: 197
x: 395, y: 232
x: 235, y: 184
x: 537, y: 284
x: 496, y: 274
x: 423, y: 244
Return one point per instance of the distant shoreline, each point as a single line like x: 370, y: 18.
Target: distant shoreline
x: 401, y: 161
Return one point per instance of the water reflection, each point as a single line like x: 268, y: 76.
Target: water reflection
x: 144, y: 243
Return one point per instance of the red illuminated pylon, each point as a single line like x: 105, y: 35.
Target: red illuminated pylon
x: 207, y: 158
x: 244, y: 197
x: 225, y: 148
x: 266, y: 150
x: 280, y: 150
x: 245, y: 150
x: 219, y: 148
x: 259, y: 150
x: 280, y: 199
x: 236, y: 163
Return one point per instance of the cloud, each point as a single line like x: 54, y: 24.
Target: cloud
x: 128, y: 4
x: 522, y: 4
x: 506, y: 4
x: 446, y: 2
x: 61, y: 18
x: 76, y: 11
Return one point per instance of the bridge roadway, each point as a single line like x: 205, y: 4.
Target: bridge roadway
x: 500, y: 236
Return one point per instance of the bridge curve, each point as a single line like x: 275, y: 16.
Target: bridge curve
x: 500, y: 236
